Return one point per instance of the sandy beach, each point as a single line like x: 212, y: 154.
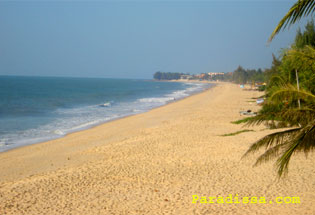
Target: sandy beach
x: 154, y: 162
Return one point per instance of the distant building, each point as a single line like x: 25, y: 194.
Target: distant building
x: 211, y: 74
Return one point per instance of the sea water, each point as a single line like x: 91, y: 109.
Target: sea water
x: 36, y: 109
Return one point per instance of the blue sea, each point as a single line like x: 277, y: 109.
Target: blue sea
x: 36, y: 109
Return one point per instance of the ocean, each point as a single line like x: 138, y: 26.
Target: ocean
x: 37, y: 109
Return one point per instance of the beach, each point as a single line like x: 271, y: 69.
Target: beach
x: 154, y: 163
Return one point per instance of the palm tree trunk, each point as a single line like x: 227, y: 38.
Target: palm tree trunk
x: 298, y: 86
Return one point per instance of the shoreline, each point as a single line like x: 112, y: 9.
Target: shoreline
x: 118, y: 118
x: 154, y: 163
x: 28, y: 147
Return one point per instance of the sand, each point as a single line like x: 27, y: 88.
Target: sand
x: 153, y: 163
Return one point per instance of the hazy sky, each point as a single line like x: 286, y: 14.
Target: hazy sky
x: 134, y: 39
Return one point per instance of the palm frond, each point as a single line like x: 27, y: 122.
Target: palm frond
x: 285, y: 143
x: 270, y: 115
x: 271, y: 140
x: 307, y: 53
x: 270, y: 154
x: 292, y: 93
x: 298, y: 116
x: 302, y: 59
x: 277, y: 79
x: 300, y: 9
x: 303, y: 141
x: 283, y: 161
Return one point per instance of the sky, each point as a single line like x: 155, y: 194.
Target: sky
x: 134, y: 39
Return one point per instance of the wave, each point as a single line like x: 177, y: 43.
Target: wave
x: 156, y: 99
x: 59, y: 132
x: 106, y: 104
x: 67, y: 120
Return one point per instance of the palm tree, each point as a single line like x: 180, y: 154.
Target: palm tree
x: 300, y: 9
x: 282, y: 110
x: 284, y: 144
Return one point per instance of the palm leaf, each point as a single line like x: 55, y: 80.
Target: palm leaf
x: 300, y: 9
x: 302, y: 59
x: 292, y: 93
x: 281, y: 107
x: 270, y: 154
x: 285, y: 143
x: 271, y: 140
x: 298, y: 117
x: 303, y: 141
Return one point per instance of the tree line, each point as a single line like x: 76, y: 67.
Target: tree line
x: 167, y: 75
x: 239, y: 76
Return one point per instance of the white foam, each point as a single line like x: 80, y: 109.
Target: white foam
x: 178, y: 94
x: 59, y: 132
x: 156, y: 99
x: 74, y: 119
x: 85, y: 125
x: 107, y: 104
x: 136, y: 110
x: 3, y: 142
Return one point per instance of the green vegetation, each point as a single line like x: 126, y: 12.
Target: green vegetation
x: 290, y: 96
x: 262, y: 88
x: 243, y: 76
x: 167, y: 76
x: 235, y: 133
x: 203, y: 76
x: 305, y: 38
x: 241, y: 120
